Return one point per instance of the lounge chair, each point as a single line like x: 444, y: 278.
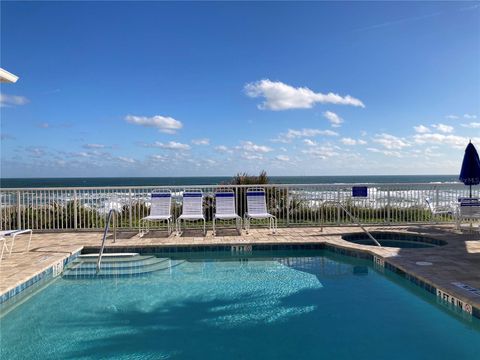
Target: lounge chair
x: 225, y: 209
x: 13, y: 234
x: 257, y: 209
x: 160, y: 210
x: 439, y: 210
x: 468, y: 209
x: 192, y: 209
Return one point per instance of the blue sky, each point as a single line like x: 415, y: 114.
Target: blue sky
x: 187, y: 89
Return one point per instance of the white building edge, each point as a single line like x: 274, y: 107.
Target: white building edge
x: 7, y: 77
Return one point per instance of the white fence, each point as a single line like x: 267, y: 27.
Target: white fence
x: 85, y: 208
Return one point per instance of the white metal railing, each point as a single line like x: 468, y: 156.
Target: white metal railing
x: 85, y: 208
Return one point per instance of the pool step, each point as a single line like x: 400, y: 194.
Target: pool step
x: 114, y: 267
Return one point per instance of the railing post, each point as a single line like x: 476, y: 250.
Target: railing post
x: 388, y: 207
x: 338, y: 206
x: 75, y: 211
x: 19, y: 220
x: 130, y: 222
x: 288, y: 206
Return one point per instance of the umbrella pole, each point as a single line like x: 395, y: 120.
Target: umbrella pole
x: 470, y: 191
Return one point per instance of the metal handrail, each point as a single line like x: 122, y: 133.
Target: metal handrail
x: 352, y: 217
x: 105, y: 233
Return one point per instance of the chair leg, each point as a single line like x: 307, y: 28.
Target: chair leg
x: 213, y: 227
x: 4, y: 245
x: 11, y: 245
x: 29, y: 241
x: 177, y: 227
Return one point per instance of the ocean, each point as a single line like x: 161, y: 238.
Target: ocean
x: 214, y: 180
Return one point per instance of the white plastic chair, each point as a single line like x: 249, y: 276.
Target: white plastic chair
x: 439, y: 210
x: 13, y: 234
x: 225, y: 209
x: 257, y: 209
x: 192, y: 209
x: 160, y: 210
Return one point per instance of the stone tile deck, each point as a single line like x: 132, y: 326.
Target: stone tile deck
x: 459, y: 261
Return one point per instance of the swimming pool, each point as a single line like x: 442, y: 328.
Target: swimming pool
x: 269, y: 305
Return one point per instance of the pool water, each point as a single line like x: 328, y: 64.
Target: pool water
x: 295, y: 305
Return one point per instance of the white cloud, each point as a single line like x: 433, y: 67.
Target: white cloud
x: 385, y: 152
x: 455, y: 141
x: 251, y: 147
x: 282, y: 158
x: 203, y: 141
x: 470, y: 116
x: 210, y: 161
x: 421, y: 129
x: 250, y: 156
x: 172, y: 145
x: 334, y: 119
x: 126, y: 159
x: 223, y: 149
x: 165, y: 124
x: 292, y: 134
x: 309, y: 142
x: 161, y: 158
x: 390, y: 141
x: 322, y: 152
x: 36, y: 152
x: 443, y: 128
x: 451, y: 117
x: 94, y: 146
x: 472, y: 125
x: 280, y: 96
x: 12, y: 100
x: 363, y: 133
x: 348, y: 141
x: 361, y: 142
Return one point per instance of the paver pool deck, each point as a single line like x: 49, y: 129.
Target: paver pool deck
x: 458, y: 261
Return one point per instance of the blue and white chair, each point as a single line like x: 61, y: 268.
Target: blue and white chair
x: 160, y: 210
x: 257, y: 209
x: 225, y: 209
x: 192, y: 209
x: 468, y: 209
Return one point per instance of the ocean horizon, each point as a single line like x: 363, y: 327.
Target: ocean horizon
x: 216, y: 180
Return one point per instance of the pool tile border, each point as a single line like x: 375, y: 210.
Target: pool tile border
x: 50, y: 272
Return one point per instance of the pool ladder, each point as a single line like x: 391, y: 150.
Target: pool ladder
x: 353, y: 218
x: 110, y: 216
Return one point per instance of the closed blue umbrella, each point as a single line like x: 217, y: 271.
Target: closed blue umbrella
x: 470, y: 173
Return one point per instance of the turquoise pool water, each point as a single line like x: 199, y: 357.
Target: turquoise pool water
x: 296, y: 305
